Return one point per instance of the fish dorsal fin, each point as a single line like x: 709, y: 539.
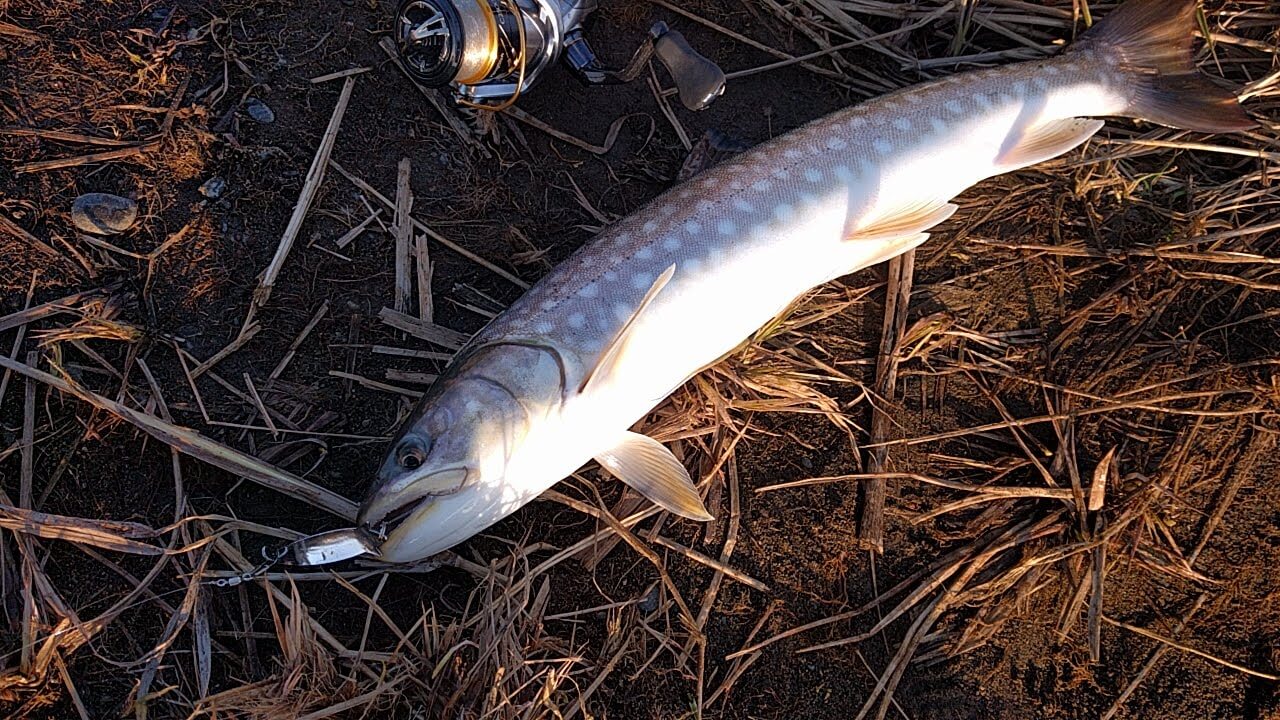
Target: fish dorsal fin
x: 1046, y: 141
x: 650, y: 469
x: 613, y: 350
x: 911, y: 219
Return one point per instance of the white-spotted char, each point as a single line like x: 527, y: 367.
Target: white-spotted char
x: 608, y: 334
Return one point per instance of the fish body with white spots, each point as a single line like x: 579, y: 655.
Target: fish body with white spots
x: 559, y: 377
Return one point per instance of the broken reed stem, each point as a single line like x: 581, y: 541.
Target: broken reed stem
x: 897, y: 300
x: 315, y: 176
x: 422, y: 261
x: 404, y: 234
x: 297, y: 342
x: 370, y: 190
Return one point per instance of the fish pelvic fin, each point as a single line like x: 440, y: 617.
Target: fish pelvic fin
x: 1152, y: 42
x: 650, y: 469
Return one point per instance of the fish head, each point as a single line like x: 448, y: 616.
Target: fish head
x: 445, y: 477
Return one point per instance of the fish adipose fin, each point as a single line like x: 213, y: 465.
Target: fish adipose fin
x: 1047, y: 141
x: 911, y: 219
x: 650, y: 469
x: 1151, y: 40
x: 614, y: 349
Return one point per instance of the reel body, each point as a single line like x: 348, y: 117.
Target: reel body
x: 491, y: 51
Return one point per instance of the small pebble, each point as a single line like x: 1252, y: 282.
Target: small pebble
x: 650, y: 602
x: 213, y: 187
x: 103, y: 214
x: 259, y: 111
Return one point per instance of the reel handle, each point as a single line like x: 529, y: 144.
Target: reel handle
x: 698, y: 80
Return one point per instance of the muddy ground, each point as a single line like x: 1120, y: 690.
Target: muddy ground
x: 1108, y: 324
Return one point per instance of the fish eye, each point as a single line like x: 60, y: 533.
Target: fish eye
x: 411, y: 454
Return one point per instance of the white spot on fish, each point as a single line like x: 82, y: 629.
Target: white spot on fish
x: 954, y: 107
x: 813, y: 175
x: 735, y: 185
x: 692, y: 228
x: 610, y: 275
x: 684, y: 194
x: 589, y: 291
x: 782, y: 174
x: 644, y: 253
x: 914, y: 99
x: 577, y: 321
x: 792, y: 154
x: 542, y: 328
x: 843, y: 172
x: 671, y: 242
x: 1004, y: 99
x: 726, y: 227
x: 783, y: 212
x: 650, y: 226
x: 983, y: 101
x: 1051, y: 70
x: 548, y: 304
x: 835, y: 143
x: 1019, y: 88
x: 621, y: 238
x: 808, y: 198
x: 762, y: 186
x: 743, y: 205
x: 622, y: 311
x: 641, y: 281
x: 882, y: 146
x: 902, y: 123
x: 705, y: 205
x: 857, y: 122
x: 715, y: 255
x: 937, y: 124
x: 691, y: 266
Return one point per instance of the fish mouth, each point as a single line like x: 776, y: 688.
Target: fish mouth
x: 390, y: 504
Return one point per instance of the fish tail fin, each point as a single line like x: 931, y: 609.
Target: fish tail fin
x: 1152, y: 42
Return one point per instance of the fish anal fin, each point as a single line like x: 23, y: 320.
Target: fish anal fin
x: 613, y: 350
x: 650, y: 469
x: 1046, y: 141
x: 909, y: 220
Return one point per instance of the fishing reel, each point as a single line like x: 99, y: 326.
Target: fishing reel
x: 490, y: 51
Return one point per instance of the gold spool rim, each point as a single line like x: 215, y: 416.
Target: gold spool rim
x: 491, y: 47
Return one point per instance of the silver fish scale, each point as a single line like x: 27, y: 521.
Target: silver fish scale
x: 585, y: 300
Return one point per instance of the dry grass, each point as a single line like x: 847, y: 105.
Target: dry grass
x: 1104, y: 432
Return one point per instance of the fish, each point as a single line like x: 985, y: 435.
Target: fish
x: 561, y: 376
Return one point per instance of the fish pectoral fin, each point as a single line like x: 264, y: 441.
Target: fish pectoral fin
x: 613, y: 350
x: 650, y: 469
x: 908, y: 220
x: 1045, y: 142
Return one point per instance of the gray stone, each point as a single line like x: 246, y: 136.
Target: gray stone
x: 103, y: 214
x: 213, y: 188
x: 259, y: 111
